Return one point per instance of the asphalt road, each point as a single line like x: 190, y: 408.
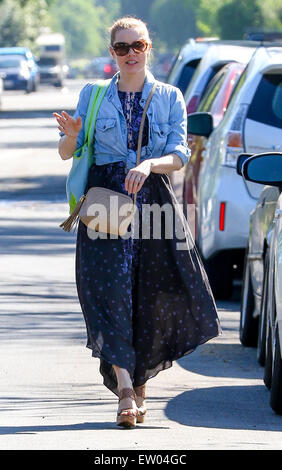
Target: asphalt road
x: 52, y: 396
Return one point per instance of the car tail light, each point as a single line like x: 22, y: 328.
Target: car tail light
x: 233, y: 141
x: 222, y: 215
x: 107, y: 68
x: 193, y: 103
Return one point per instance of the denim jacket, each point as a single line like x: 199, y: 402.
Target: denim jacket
x: 167, y: 124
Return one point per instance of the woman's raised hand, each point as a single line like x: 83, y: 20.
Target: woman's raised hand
x: 67, y: 124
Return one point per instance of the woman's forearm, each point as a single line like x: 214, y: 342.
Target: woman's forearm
x: 166, y: 164
x: 67, y: 145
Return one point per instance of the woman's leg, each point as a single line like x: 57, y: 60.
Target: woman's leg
x: 140, y: 391
x: 124, y: 381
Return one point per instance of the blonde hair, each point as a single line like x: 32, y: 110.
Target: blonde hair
x: 129, y: 22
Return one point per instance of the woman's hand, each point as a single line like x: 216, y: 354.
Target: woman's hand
x: 68, y: 125
x: 136, y: 176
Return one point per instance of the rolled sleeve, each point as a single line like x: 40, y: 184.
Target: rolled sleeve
x: 177, y: 138
x: 81, y: 110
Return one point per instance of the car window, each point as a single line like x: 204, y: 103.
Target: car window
x: 186, y: 75
x: 211, y: 92
x: 266, y: 106
x: 47, y: 61
x: 7, y: 62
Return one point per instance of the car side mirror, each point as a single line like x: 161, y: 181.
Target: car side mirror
x: 200, y: 124
x: 241, y: 160
x: 264, y: 168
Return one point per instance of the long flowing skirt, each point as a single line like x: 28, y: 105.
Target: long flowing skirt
x: 146, y: 301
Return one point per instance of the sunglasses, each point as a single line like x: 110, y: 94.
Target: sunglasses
x: 123, y: 48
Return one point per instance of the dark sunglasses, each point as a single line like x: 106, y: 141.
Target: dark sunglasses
x: 123, y: 48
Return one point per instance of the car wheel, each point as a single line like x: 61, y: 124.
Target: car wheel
x: 219, y: 271
x: 276, y: 383
x: 263, y: 315
x: 248, y: 324
x: 268, y: 359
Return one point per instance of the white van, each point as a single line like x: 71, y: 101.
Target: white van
x: 252, y: 124
x: 52, y: 58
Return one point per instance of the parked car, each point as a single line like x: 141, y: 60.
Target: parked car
x: 266, y: 169
x: 187, y: 61
x: 213, y: 60
x: 20, y: 69
x: 101, y: 67
x: 254, y: 286
x: 252, y: 123
x: 214, y: 101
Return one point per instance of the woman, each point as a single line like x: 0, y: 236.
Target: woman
x: 145, y: 302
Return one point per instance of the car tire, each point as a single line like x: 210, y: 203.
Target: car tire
x: 248, y: 323
x: 276, y: 383
x: 219, y: 272
x: 263, y: 315
x: 268, y: 359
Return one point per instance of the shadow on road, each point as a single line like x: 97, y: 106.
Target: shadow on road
x: 223, y: 360
x: 33, y: 189
x: 109, y: 425
x: 226, y: 407
x: 30, y: 145
x: 43, y: 240
x: 33, y: 113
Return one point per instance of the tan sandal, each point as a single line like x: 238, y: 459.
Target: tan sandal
x: 127, y: 417
x: 140, y: 399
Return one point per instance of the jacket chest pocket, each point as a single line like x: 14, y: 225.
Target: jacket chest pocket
x: 159, y: 136
x: 106, y: 132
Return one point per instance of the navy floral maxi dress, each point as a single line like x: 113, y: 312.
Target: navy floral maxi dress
x: 145, y: 302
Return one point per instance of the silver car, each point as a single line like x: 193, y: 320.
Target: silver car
x: 252, y: 123
x: 187, y: 61
x: 216, y: 56
x: 267, y: 169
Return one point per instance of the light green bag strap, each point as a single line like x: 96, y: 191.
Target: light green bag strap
x: 96, y: 97
x: 94, y: 105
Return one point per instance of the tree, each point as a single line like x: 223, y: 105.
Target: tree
x: 138, y: 8
x: 20, y: 24
x: 272, y: 14
x: 84, y: 25
x: 173, y: 23
x: 235, y: 17
x: 206, y: 16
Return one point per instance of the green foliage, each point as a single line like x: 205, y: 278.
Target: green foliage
x: 172, y: 25
x: 272, y: 14
x: 138, y: 8
x: 236, y: 17
x: 19, y: 24
x: 206, y: 16
x: 84, y: 24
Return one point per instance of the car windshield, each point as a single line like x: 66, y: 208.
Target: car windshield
x: 10, y: 61
x: 47, y: 61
